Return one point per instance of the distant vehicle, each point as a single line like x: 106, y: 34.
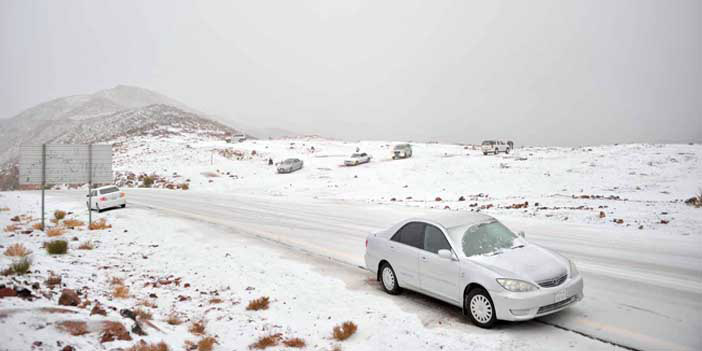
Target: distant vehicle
x: 357, y: 159
x: 106, y: 197
x: 290, y: 165
x: 473, y: 261
x: 510, y: 143
x: 401, y: 151
x: 494, y: 146
x: 239, y: 138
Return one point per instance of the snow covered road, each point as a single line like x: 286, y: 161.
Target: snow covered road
x: 643, y: 289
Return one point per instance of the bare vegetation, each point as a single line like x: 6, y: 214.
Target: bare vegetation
x: 4, y: 209
x: 143, y: 314
x: 206, y: 343
x: 215, y: 300
x: 120, y: 292
x: 144, y: 346
x: 174, y: 319
x: 20, y: 267
x: 11, y: 228
x: 55, y: 231
x: 86, y: 245
x: 116, y: 281
x: 260, y: 303
x: 75, y: 328
x: 294, y: 342
x: 59, y: 215
x: 266, y: 341
x: 695, y: 201
x: 73, y: 223
x: 197, y: 327
x: 99, y: 224
x: 53, y: 280
x: 57, y: 247
x: 37, y: 226
x: 17, y: 250
x: 344, y: 331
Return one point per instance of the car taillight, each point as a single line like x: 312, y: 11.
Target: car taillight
x: 103, y: 198
x: 122, y: 194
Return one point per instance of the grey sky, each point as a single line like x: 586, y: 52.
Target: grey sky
x: 538, y: 72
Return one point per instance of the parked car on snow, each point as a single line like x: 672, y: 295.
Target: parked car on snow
x: 473, y: 261
x: 357, y: 159
x: 401, y: 151
x: 494, y: 146
x: 290, y: 165
x: 106, y: 197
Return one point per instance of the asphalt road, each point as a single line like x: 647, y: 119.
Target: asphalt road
x: 642, y: 293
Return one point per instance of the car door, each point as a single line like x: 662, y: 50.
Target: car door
x: 438, y: 275
x: 404, y: 248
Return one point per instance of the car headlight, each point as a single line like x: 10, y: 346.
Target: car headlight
x: 574, y: 273
x: 516, y: 285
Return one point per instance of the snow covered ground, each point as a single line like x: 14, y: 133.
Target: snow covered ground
x: 201, y: 271
x: 617, y: 210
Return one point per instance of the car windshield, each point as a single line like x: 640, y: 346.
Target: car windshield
x: 484, y: 238
x: 400, y: 147
x: 489, y: 142
x: 108, y: 190
x: 356, y: 155
x: 289, y: 161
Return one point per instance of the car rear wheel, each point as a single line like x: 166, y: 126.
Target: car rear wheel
x: 388, y: 279
x: 479, y: 308
x: 124, y: 205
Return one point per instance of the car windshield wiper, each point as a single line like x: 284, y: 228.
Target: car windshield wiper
x: 517, y: 246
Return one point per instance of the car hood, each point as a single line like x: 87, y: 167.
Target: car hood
x: 531, y: 262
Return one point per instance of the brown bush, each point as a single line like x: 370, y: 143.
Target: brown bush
x: 99, y: 224
x: 344, y: 331
x: 266, y: 341
x: 116, y: 281
x: 59, y: 215
x: 185, y: 186
x: 206, y: 343
x: 75, y: 328
x: 55, y: 231
x: 173, y: 319
x: 260, y: 303
x: 17, y: 250
x: 120, y: 292
x: 112, y: 331
x: 86, y: 245
x: 197, y: 327
x: 144, y: 346
x: 294, y: 342
x: 11, y: 228
x: 146, y: 303
x: 143, y: 314
x: 215, y: 300
x: 72, y: 223
x: 37, y: 226
x: 4, y: 209
x: 53, y: 280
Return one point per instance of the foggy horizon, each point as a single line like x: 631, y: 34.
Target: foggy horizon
x: 542, y: 73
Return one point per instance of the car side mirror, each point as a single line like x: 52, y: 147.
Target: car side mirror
x: 521, y: 233
x: 445, y: 254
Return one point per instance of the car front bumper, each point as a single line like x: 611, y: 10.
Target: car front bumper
x: 514, y: 306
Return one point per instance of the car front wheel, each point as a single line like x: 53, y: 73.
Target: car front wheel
x: 479, y: 308
x: 389, y: 280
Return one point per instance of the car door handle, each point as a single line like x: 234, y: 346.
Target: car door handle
x: 424, y: 258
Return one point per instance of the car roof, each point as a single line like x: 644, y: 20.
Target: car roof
x: 454, y: 219
x: 105, y: 187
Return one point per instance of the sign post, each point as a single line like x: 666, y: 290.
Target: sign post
x: 65, y: 164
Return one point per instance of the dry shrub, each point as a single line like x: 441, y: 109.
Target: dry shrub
x: 206, y: 343
x: 116, y: 281
x: 215, y: 300
x: 73, y: 223
x: 120, y: 292
x: 20, y: 267
x: 266, y: 341
x: 11, y: 228
x: 112, y: 331
x: 57, y: 247
x: 260, y: 303
x: 344, y: 331
x: 294, y: 342
x: 144, y: 346
x: 17, y: 250
x: 59, y: 215
x: 4, y: 209
x: 146, y: 303
x: 53, y: 280
x: 185, y: 186
x: 695, y: 201
x: 86, y: 245
x: 55, y: 231
x: 99, y: 224
x: 75, y: 328
x: 173, y: 319
x: 37, y: 226
x: 197, y: 327
x: 143, y: 314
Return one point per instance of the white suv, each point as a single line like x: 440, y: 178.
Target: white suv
x: 107, y: 197
x: 495, y: 147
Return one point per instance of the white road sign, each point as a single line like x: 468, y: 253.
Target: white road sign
x: 65, y: 164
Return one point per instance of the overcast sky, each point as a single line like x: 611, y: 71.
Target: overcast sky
x: 537, y: 72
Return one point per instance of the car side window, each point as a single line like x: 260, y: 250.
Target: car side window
x: 434, y: 239
x: 411, y: 234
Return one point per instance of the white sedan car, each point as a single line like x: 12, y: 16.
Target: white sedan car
x: 357, y: 159
x: 107, y: 197
x: 473, y: 261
